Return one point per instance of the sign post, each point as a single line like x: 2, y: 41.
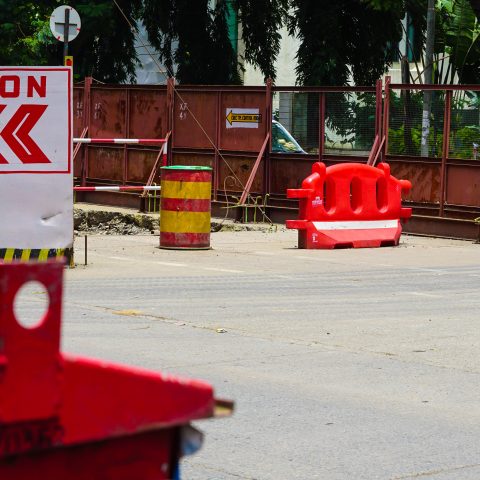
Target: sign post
x: 36, y: 197
x: 65, y: 25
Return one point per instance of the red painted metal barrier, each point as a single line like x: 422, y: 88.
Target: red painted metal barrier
x: 119, y: 188
x: 121, y: 141
x: 68, y: 417
x: 349, y: 205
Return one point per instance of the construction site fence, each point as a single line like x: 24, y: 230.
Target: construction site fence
x: 225, y: 127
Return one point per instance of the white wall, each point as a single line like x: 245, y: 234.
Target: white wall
x: 149, y: 71
x: 285, y: 63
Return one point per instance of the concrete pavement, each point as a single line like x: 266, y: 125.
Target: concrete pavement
x: 345, y: 364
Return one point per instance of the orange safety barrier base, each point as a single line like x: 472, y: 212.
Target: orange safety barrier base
x: 349, y: 205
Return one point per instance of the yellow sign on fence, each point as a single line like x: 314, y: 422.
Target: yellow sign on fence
x: 243, y: 118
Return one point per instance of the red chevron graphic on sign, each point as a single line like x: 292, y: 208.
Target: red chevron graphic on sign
x: 16, y: 134
x: 2, y: 159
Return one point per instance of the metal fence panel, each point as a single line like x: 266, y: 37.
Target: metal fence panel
x: 148, y: 113
x: 405, y: 123
x: 463, y: 185
x: 139, y: 165
x: 108, y: 108
x: 330, y: 124
x: 425, y: 179
x: 194, y: 119
x: 298, y: 113
x: 465, y: 125
x: 349, y: 123
x: 248, y: 132
x: 78, y: 111
x: 106, y: 163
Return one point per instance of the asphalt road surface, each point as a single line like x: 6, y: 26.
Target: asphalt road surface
x: 345, y: 364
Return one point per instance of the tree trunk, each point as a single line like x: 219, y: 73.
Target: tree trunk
x: 407, y: 119
x: 427, y: 95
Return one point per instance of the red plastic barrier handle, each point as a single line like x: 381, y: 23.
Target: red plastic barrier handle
x: 299, y: 192
x: 406, y: 185
x: 405, y: 213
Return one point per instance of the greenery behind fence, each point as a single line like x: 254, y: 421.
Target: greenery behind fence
x: 405, y: 124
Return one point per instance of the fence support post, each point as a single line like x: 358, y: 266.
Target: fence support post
x: 170, y: 117
x: 216, y: 158
x: 86, y: 124
x: 445, y: 150
x: 378, y: 109
x: 127, y: 135
x: 321, y: 126
x: 268, y: 131
x: 386, y: 118
x: 251, y: 178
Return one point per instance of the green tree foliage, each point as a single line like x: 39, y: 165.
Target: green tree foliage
x: 457, y: 31
x: 342, y: 38
x: 24, y: 34
x: 194, y: 37
x: 338, y: 40
x: 261, y: 22
x: 104, y: 48
x: 405, y: 130
x: 457, y: 38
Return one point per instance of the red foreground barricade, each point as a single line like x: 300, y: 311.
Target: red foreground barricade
x: 349, y: 205
x: 63, y: 417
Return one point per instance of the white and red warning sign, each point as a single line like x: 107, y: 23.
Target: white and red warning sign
x: 36, y: 197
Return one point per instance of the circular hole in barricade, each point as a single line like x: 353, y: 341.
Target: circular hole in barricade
x: 31, y: 304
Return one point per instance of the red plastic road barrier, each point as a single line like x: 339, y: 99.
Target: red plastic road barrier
x: 349, y: 205
x: 64, y: 417
x: 155, y: 141
x: 117, y: 188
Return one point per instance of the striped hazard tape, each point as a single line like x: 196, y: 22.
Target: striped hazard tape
x: 34, y: 254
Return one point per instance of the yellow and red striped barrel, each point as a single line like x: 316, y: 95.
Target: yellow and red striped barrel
x: 185, y: 207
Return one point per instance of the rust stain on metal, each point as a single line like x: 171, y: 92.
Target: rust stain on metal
x: 463, y: 185
x: 425, y: 179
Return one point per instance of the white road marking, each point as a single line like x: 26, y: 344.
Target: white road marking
x: 120, y: 258
x: 172, y: 264
x: 318, y: 259
x: 423, y: 294
x: 175, y: 264
x: 431, y: 270
x: 226, y: 270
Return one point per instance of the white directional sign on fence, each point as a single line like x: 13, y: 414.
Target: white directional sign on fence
x: 242, y: 117
x: 36, y: 198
